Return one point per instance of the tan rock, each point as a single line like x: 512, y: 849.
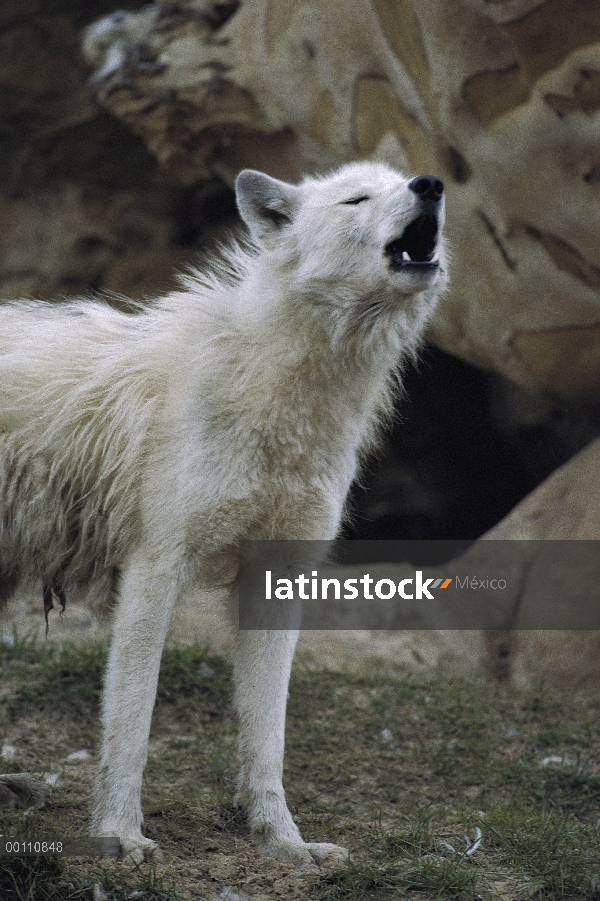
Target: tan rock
x: 502, y: 99
x: 68, y: 239
x: 566, y: 506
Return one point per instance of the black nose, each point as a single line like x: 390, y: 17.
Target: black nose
x: 428, y: 187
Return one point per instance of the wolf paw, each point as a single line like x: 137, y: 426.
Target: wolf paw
x: 139, y: 849
x: 306, y: 854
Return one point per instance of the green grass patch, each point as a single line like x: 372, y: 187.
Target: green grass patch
x: 48, y: 879
x: 34, y: 879
x: 70, y: 677
x: 191, y: 675
x: 435, y: 879
x: 561, y: 857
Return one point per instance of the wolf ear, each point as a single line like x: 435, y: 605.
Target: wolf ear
x: 266, y: 204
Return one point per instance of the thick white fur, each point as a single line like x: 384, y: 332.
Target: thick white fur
x: 138, y: 449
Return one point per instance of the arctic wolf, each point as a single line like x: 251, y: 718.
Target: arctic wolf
x: 136, y: 451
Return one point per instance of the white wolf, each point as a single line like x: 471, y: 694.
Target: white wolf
x: 137, y: 450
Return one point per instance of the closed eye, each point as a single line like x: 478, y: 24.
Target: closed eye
x: 356, y: 200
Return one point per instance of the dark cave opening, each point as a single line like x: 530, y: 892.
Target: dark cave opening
x: 466, y: 446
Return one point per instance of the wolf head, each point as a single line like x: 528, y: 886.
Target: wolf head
x: 365, y: 227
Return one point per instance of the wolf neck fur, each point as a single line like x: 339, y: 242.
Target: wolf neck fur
x: 298, y: 359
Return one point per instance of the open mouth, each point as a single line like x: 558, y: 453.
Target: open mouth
x: 415, y: 249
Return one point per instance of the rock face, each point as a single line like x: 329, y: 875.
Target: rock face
x: 565, y: 507
x: 499, y: 97
x: 83, y: 204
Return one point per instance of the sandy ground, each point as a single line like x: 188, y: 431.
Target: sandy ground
x: 541, y: 657
x: 197, y: 619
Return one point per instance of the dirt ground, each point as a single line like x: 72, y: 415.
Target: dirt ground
x: 197, y: 618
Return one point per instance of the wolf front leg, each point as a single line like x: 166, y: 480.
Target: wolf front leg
x: 140, y: 628
x: 263, y: 661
